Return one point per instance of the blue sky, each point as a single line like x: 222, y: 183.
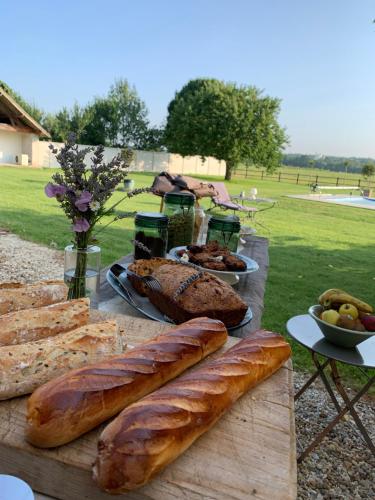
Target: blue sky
x: 318, y: 56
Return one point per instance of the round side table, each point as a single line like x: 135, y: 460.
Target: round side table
x: 306, y: 332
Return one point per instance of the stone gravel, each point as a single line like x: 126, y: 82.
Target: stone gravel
x: 342, y: 467
x: 28, y: 262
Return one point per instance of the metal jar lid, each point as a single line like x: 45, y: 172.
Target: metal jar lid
x: 151, y: 219
x: 225, y: 223
x: 181, y: 199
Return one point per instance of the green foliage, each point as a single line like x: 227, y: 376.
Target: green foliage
x: 33, y: 110
x: 119, y: 119
x: 129, y: 115
x: 98, y: 128
x: 209, y: 117
x: 368, y: 170
x: 66, y: 121
x: 153, y: 139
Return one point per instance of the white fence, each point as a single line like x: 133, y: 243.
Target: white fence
x: 144, y: 161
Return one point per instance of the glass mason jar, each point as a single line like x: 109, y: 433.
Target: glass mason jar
x: 179, y: 207
x: 225, y: 230
x: 82, y: 273
x: 198, y: 225
x: 151, y: 232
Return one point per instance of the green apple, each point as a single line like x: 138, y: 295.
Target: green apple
x: 349, y: 310
x: 330, y: 316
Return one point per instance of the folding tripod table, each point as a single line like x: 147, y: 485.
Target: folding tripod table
x: 306, y: 332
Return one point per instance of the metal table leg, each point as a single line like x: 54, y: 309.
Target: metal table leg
x: 333, y: 422
x: 310, y: 381
x: 348, y: 406
x: 337, y: 381
x: 325, y: 381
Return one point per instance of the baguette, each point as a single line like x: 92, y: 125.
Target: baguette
x: 35, y: 324
x: 67, y: 407
x: 25, y: 367
x: 151, y: 433
x: 17, y: 296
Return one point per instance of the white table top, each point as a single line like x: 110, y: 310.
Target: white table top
x: 305, y: 331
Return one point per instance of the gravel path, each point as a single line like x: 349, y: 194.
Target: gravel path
x: 341, y: 468
x: 28, y: 262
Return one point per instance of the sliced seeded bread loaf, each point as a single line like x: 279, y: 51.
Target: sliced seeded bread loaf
x: 205, y: 296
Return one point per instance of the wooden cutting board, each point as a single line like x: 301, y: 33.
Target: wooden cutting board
x: 249, y: 453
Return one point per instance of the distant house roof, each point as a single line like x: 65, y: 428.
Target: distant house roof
x: 13, y: 118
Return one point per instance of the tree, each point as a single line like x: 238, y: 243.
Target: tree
x: 368, y: 171
x: 119, y: 119
x: 98, y: 125
x: 237, y: 124
x: 153, y: 139
x: 127, y: 115
x: 66, y: 121
x: 346, y: 165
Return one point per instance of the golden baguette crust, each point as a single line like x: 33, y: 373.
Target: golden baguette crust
x: 25, y: 367
x: 17, y: 296
x: 151, y: 433
x: 35, y: 324
x: 76, y: 402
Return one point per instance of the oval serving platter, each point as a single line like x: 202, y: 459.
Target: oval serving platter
x: 144, y: 306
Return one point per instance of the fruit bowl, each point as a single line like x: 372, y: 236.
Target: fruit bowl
x: 337, y: 335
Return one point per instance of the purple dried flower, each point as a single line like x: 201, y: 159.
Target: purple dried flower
x: 83, y: 201
x: 53, y: 190
x: 81, y: 225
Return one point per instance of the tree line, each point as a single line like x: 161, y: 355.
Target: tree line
x: 118, y: 119
x: 207, y: 117
x: 332, y: 163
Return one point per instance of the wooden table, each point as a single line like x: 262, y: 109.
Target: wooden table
x: 249, y: 453
x: 251, y: 287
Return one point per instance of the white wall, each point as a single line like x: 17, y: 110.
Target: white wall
x: 10, y: 146
x: 144, y: 161
x: 27, y: 144
x: 14, y: 144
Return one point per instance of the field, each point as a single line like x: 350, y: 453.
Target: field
x: 307, y: 176
x: 313, y: 246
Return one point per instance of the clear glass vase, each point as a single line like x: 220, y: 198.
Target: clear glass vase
x: 82, y: 273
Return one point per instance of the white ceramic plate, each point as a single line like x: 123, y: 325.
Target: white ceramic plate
x: 13, y: 488
x: 251, y: 266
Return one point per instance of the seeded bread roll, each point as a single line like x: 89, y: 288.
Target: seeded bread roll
x: 150, y: 434
x: 25, y: 367
x: 207, y: 296
x: 28, y: 325
x: 17, y: 296
x: 76, y: 402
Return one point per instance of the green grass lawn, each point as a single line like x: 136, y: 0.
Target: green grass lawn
x: 313, y: 246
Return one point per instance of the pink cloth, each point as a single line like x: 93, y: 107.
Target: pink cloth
x: 222, y: 199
